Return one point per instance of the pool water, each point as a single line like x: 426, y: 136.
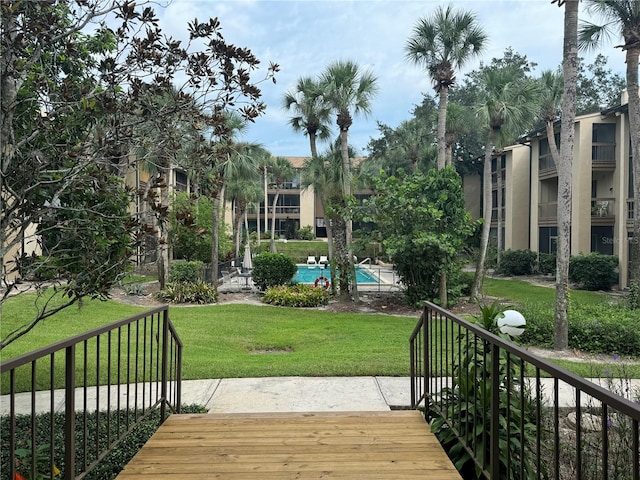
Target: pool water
x: 309, y: 273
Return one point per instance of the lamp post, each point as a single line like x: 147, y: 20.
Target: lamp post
x: 511, y: 323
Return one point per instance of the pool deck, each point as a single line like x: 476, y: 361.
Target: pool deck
x: 388, y: 281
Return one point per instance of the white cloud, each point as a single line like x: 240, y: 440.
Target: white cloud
x: 303, y: 36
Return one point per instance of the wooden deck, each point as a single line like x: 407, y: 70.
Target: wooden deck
x: 391, y: 445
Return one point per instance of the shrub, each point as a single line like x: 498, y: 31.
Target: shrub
x: 601, y: 328
x: 517, y: 262
x: 187, y: 292
x: 271, y: 269
x: 296, y: 296
x: 604, y: 328
x: 111, y: 465
x: 594, y: 271
x: 305, y: 233
x: 181, y: 272
x: 547, y: 264
x: 467, y: 401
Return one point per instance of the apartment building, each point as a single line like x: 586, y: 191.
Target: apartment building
x: 525, y: 190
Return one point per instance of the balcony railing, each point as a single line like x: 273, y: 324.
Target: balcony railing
x: 603, y: 155
x: 280, y: 210
x: 95, y: 387
x: 548, y: 211
x: 603, y: 207
x: 630, y: 210
x: 515, y: 415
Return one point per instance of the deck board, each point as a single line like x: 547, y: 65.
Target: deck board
x: 338, y: 445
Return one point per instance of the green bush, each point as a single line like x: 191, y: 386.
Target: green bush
x: 602, y: 328
x: 187, y: 292
x: 111, y: 465
x: 271, y: 269
x: 305, y: 233
x: 296, y: 296
x: 190, y: 223
x: 547, y: 264
x: 594, y: 271
x: 181, y: 272
x: 517, y: 262
x: 467, y: 403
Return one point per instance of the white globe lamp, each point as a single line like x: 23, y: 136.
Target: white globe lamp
x: 511, y: 323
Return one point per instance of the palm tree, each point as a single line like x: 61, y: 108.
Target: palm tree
x: 551, y: 90
x: 442, y: 44
x: 553, y: 93
x: 311, y: 112
x: 242, y: 183
x: 458, y: 122
x: 509, y: 103
x: 623, y: 16
x: 349, y: 91
x: 281, y: 171
x: 324, y: 174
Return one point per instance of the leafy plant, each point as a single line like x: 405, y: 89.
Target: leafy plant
x: 488, y: 315
x: 467, y: 405
x: 24, y: 458
x: 186, y: 272
x: 423, y: 224
x: 296, y: 296
x: 305, y: 233
x: 517, y: 262
x: 271, y: 269
x: 634, y: 296
x: 547, y: 263
x: 187, y: 292
x: 594, y: 271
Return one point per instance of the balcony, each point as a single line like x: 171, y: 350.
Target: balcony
x: 546, y: 167
x: 630, y: 211
x: 603, y: 157
x: 603, y: 210
x: 548, y: 212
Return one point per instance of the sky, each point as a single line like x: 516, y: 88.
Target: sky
x: 305, y: 36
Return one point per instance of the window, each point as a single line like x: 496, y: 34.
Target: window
x: 602, y: 240
x: 548, y: 241
x: 603, y: 139
x: 545, y: 160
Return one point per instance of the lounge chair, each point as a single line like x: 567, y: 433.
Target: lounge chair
x: 311, y: 260
x: 323, y: 260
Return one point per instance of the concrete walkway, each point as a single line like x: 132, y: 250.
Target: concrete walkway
x: 290, y: 394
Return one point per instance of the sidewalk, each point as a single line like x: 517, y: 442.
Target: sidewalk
x: 244, y: 395
x: 287, y: 394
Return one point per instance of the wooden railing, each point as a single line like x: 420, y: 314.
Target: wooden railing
x: 95, y: 388
x: 514, y: 415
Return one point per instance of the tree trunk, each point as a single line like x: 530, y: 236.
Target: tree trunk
x: 341, y: 258
x: 266, y: 203
x: 215, y: 228
x: 272, y: 247
x: 350, y: 272
x: 442, y: 127
x: 634, y: 129
x: 162, y: 261
x: 564, y: 166
x: 312, y: 145
x: 237, y: 226
x: 486, y: 226
x: 499, y: 209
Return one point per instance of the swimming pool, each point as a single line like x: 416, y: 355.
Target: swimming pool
x: 309, y: 273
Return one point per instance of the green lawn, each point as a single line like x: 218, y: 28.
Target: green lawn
x: 521, y: 291
x: 245, y: 340
x: 225, y: 341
